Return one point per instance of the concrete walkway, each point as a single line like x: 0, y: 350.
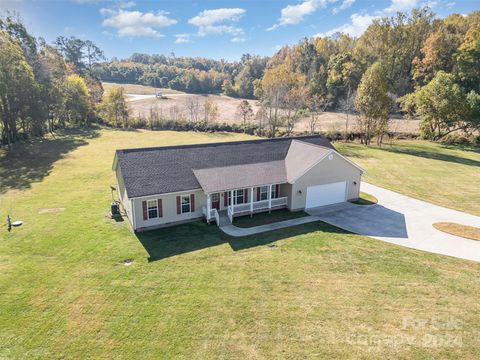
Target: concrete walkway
x: 236, y: 231
x: 402, y: 220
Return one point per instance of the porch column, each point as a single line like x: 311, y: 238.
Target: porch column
x: 251, y: 201
x: 269, y: 197
x: 208, y: 208
x: 231, y: 200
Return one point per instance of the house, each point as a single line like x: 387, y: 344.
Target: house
x: 163, y: 186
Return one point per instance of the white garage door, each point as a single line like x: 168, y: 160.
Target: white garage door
x: 327, y: 194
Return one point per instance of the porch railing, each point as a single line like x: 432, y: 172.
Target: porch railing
x: 279, y: 201
x: 213, y: 215
x: 217, y: 217
x: 259, y: 205
x: 229, y: 213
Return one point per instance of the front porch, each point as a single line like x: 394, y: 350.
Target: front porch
x: 240, y: 202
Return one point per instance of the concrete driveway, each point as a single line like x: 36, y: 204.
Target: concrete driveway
x: 402, y: 220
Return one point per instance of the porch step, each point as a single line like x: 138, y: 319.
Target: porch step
x: 223, y: 216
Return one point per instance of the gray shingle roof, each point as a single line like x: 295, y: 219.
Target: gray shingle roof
x: 159, y: 170
x: 241, y: 176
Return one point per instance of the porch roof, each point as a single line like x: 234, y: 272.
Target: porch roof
x: 241, y: 176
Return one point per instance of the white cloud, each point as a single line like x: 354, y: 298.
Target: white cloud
x: 450, y: 4
x: 136, y: 23
x: 355, y: 28
x: 294, y: 14
x: 219, y: 21
x: 120, y: 4
x: 430, y: 3
x: 345, y: 5
x: 182, y: 38
x: 400, y: 5
x: 215, y: 16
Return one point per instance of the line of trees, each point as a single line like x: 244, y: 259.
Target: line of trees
x: 414, y: 64
x: 44, y: 86
x: 193, y: 75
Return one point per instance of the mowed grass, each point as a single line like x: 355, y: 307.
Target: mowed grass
x: 193, y: 293
x: 444, y: 175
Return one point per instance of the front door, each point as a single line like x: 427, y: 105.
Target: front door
x: 216, y: 201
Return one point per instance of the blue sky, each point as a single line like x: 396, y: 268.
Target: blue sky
x: 215, y: 29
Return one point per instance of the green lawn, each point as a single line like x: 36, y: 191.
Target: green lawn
x: 266, y: 218
x: 193, y: 293
x: 447, y: 176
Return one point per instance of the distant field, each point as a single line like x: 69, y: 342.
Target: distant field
x: 138, y: 89
x: 329, y: 121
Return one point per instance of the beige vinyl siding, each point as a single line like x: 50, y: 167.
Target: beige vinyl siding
x: 286, y: 190
x: 326, y: 172
x: 169, y: 207
x: 122, y: 193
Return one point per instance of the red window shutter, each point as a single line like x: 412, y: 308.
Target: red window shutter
x: 225, y: 198
x: 245, y: 195
x: 160, y: 209
x: 145, y: 211
x: 179, y: 205
x: 192, y: 202
x: 278, y: 190
x: 258, y: 194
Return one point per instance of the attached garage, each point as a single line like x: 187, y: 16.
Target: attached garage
x: 326, y: 194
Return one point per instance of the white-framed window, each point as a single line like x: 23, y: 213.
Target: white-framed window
x: 263, y: 193
x: 152, y: 206
x: 274, y: 192
x: 239, y: 196
x: 185, y: 204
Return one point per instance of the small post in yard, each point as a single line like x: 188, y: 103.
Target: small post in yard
x: 9, y: 223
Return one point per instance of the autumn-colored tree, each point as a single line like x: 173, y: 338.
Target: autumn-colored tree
x: 467, y: 58
x: 315, y: 104
x: 76, y: 100
x: 16, y: 80
x: 114, y: 108
x: 273, y: 88
x: 244, y: 112
x: 439, y: 48
x: 210, y: 110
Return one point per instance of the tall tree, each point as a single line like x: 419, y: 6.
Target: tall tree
x: 114, y: 108
x: 210, y: 110
x: 373, y: 103
x: 77, y: 105
x: 17, y: 89
x: 245, y: 113
x: 442, y: 106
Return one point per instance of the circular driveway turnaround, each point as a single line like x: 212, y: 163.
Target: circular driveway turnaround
x: 402, y: 220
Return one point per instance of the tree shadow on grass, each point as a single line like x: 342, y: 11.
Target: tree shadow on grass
x: 31, y: 161
x: 415, y: 151
x: 182, y: 239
